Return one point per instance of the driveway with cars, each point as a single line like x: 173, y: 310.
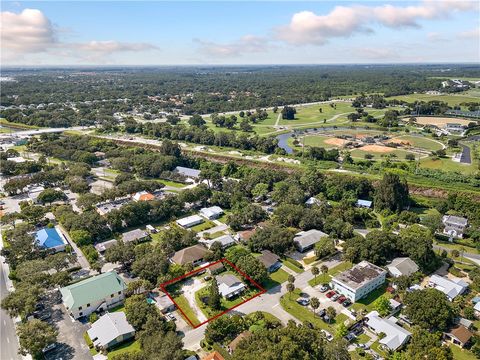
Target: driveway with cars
x: 70, y: 341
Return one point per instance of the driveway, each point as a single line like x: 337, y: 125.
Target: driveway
x: 70, y: 341
x: 189, y: 288
x: 82, y: 260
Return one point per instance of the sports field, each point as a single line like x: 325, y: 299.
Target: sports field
x: 418, y: 142
x: 307, y: 115
x: 440, y: 121
x: 379, y: 152
x: 450, y: 99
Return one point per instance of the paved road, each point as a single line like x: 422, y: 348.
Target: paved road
x: 268, y: 302
x: 82, y: 260
x: 8, y: 338
x: 466, y: 157
x: 43, y: 131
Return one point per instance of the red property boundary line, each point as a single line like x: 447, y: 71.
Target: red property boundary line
x: 165, y: 284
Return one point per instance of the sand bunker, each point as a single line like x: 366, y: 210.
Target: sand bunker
x: 440, y: 121
x: 376, y: 148
x: 335, y: 142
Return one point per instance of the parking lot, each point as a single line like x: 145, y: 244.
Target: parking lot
x: 70, y: 341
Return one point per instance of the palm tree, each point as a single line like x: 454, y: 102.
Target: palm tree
x: 324, y: 270
x: 314, y: 303
x: 291, y: 279
x: 290, y: 289
x: 315, y: 272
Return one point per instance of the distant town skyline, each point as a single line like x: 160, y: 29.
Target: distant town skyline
x: 229, y: 33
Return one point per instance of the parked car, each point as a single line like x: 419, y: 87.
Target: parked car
x: 341, y: 299
x: 207, y: 278
x: 335, y: 297
x: 324, y: 288
x: 328, y: 336
x: 303, y: 301
x: 347, y: 303
x: 349, y: 337
x: 49, y: 347
x: 170, y: 317
x: 330, y: 294
x: 322, y: 313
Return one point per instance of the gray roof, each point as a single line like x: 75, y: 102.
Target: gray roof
x: 228, y: 284
x: 450, y: 287
x: 188, y: 172
x: 404, y: 265
x: 190, y: 254
x: 268, y: 258
x: 366, y: 203
x: 456, y: 220
x: 395, y: 335
x: 108, y: 327
x: 211, y: 211
x: 359, y: 275
x: 308, y: 238
x: 134, y: 235
x: 189, y: 220
x: 101, y: 247
x: 224, y: 240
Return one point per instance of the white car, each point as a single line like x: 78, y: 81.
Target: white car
x: 328, y: 336
x: 49, y: 347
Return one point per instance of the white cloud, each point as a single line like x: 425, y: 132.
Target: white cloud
x: 470, y: 34
x: 307, y: 27
x: 246, y: 44
x: 31, y: 32
x: 27, y: 32
x: 377, y: 54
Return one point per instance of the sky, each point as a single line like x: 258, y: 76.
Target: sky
x: 238, y: 32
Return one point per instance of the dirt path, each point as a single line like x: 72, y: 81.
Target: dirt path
x: 190, y: 287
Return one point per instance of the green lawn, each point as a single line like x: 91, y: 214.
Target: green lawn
x: 311, y: 114
x: 446, y: 164
x: 279, y: 276
x: 462, y: 354
x: 325, y: 278
x: 185, y: 306
x: 450, y: 99
x: 320, y: 279
x: 398, y: 153
x: 421, y: 142
x: 292, y: 266
x: 203, y: 226
x: 303, y: 313
x: 367, y: 303
x: 376, y: 347
x: 129, y: 346
x: 171, y: 183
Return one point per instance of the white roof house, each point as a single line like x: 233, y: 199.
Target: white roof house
x: 110, y: 329
x: 190, y: 173
x: 402, y: 266
x: 212, y: 212
x: 190, y: 221
x: 224, y: 240
x: 134, y: 235
x: 454, y: 225
x: 312, y: 201
x: 305, y: 240
x: 395, y: 335
x: 229, y: 285
x: 364, y: 203
x: 450, y: 287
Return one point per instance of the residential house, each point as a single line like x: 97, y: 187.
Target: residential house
x: 50, y: 239
x: 230, y: 286
x: 135, y: 235
x: 104, y: 246
x: 476, y: 310
x: 312, y: 201
x: 212, y: 212
x: 452, y: 287
x: 216, y: 268
x: 224, y: 240
x: 454, y: 226
x: 100, y: 292
x: 402, y: 266
x: 189, y: 221
x: 213, y: 356
x: 245, y: 235
x: 234, y: 343
x: 367, y: 204
x: 192, y: 175
x: 395, y: 335
x: 458, y: 335
x: 359, y: 281
x: 193, y: 254
x: 105, y: 207
x: 33, y: 193
x: 270, y: 260
x: 164, y: 304
x: 305, y: 240
x: 110, y: 330
x: 143, y: 196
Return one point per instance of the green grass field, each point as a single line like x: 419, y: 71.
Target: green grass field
x: 311, y: 114
x: 446, y: 164
x: 399, y: 153
x: 450, y: 98
x: 421, y: 142
x: 185, y: 306
x: 127, y: 347
x: 325, y: 278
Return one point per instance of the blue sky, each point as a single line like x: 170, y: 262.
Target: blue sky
x: 164, y: 33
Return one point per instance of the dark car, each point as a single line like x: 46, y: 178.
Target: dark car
x: 341, y: 299
x: 347, y: 303
x: 303, y: 301
x: 322, y: 313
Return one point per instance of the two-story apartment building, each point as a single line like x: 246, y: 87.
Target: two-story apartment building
x: 359, y: 281
x: 97, y: 293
